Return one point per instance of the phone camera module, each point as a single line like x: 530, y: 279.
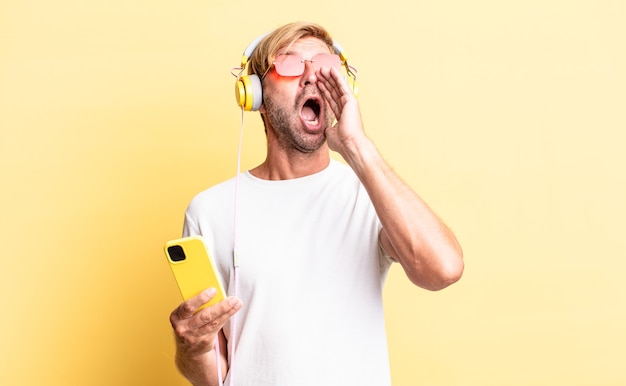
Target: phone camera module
x: 176, y: 253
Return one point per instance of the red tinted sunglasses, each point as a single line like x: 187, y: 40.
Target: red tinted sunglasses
x: 293, y: 65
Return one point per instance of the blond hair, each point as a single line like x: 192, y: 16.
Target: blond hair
x: 264, y: 54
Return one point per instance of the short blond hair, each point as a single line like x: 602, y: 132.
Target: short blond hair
x: 264, y: 54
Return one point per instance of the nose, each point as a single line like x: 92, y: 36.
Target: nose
x: 308, y: 76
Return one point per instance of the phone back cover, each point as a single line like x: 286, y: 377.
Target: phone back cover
x: 197, y: 272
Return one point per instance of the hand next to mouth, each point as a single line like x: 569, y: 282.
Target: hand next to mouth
x: 347, y: 132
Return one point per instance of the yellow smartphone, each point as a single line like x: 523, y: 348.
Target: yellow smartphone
x: 193, y: 268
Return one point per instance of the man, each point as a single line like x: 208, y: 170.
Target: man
x: 313, y: 237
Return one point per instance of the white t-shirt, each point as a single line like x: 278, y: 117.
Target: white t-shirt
x: 310, y: 277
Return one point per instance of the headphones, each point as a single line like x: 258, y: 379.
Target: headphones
x: 248, y: 90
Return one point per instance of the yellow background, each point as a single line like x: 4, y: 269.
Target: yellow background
x: 508, y: 117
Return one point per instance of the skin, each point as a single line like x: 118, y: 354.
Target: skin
x: 412, y: 234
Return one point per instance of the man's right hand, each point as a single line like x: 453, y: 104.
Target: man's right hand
x: 195, y: 330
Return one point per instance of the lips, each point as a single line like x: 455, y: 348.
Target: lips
x: 310, y: 113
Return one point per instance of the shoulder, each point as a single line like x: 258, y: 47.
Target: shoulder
x: 214, y: 196
x: 343, y: 177
x: 340, y: 170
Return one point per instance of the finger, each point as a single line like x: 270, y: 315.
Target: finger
x: 336, y: 88
x: 334, y: 77
x: 212, y: 319
x: 188, y: 308
x: 329, y: 89
x: 329, y: 83
x: 328, y: 97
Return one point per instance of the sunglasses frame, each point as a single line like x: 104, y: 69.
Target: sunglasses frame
x: 277, y: 64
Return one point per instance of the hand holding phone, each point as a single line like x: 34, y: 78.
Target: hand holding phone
x: 193, y: 268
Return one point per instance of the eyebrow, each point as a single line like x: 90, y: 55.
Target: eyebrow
x: 290, y: 52
x: 298, y: 55
x: 287, y: 53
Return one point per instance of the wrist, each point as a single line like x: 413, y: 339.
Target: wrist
x: 360, y: 153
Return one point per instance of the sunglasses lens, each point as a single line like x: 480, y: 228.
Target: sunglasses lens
x: 326, y: 60
x: 289, y: 65
x: 293, y: 65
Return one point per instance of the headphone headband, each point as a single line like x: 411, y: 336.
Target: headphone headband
x: 247, y: 53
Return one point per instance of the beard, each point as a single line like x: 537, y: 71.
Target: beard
x: 287, y: 126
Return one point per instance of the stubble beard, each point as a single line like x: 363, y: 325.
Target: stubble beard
x: 287, y: 126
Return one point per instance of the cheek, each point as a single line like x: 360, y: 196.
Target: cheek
x: 275, y: 84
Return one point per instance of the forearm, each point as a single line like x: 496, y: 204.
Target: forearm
x: 201, y: 370
x: 412, y: 233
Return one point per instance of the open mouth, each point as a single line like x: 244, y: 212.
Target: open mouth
x: 310, y: 112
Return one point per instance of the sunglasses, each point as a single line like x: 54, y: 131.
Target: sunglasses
x: 293, y: 65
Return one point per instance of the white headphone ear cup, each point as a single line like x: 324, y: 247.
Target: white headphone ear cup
x: 256, y: 92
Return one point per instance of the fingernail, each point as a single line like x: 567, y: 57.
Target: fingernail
x: 211, y: 292
x: 234, y: 302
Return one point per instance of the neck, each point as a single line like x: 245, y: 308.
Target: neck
x: 288, y: 165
